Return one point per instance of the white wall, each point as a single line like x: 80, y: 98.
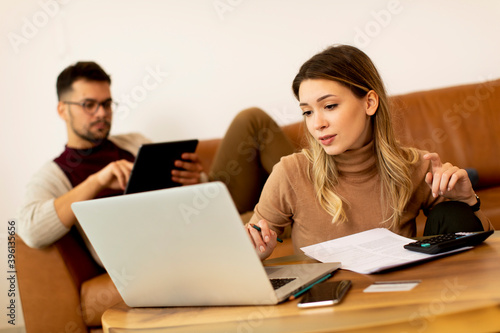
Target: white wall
x: 214, y: 57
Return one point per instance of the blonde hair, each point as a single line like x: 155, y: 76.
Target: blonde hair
x: 352, y: 68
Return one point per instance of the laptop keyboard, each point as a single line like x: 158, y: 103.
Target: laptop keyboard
x: 278, y: 283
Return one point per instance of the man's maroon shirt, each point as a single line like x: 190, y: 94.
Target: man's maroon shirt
x: 78, y: 164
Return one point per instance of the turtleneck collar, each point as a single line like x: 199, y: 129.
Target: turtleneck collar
x: 357, y: 163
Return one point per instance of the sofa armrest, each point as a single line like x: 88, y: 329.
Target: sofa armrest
x: 49, y: 297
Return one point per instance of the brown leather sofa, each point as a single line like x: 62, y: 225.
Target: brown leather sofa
x: 461, y: 123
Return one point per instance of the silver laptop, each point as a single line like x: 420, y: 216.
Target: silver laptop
x: 185, y: 246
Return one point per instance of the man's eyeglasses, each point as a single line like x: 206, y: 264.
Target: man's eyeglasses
x: 91, y: 106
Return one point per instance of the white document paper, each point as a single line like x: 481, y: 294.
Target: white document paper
x: 369, y: 251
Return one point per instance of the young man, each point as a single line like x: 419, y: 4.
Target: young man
x: 93, y: 165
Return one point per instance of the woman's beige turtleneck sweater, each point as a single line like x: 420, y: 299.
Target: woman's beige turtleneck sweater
x: 289, y: 198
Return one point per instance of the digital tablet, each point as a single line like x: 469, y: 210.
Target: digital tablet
x: 154, y: 163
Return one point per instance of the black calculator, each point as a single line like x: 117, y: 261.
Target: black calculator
x: 448, y: 242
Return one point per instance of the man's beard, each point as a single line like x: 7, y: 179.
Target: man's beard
x: 89, y: 136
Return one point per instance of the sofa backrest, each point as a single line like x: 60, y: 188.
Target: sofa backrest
x: 460, y: 123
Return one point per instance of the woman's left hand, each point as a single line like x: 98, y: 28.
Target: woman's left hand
x: 449, y: 181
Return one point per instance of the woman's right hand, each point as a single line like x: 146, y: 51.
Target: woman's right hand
x: 264, y: 240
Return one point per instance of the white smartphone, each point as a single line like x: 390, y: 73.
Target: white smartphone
x: 324, y: 294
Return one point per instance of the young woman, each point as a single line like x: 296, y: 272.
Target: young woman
x: 354, y: 175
